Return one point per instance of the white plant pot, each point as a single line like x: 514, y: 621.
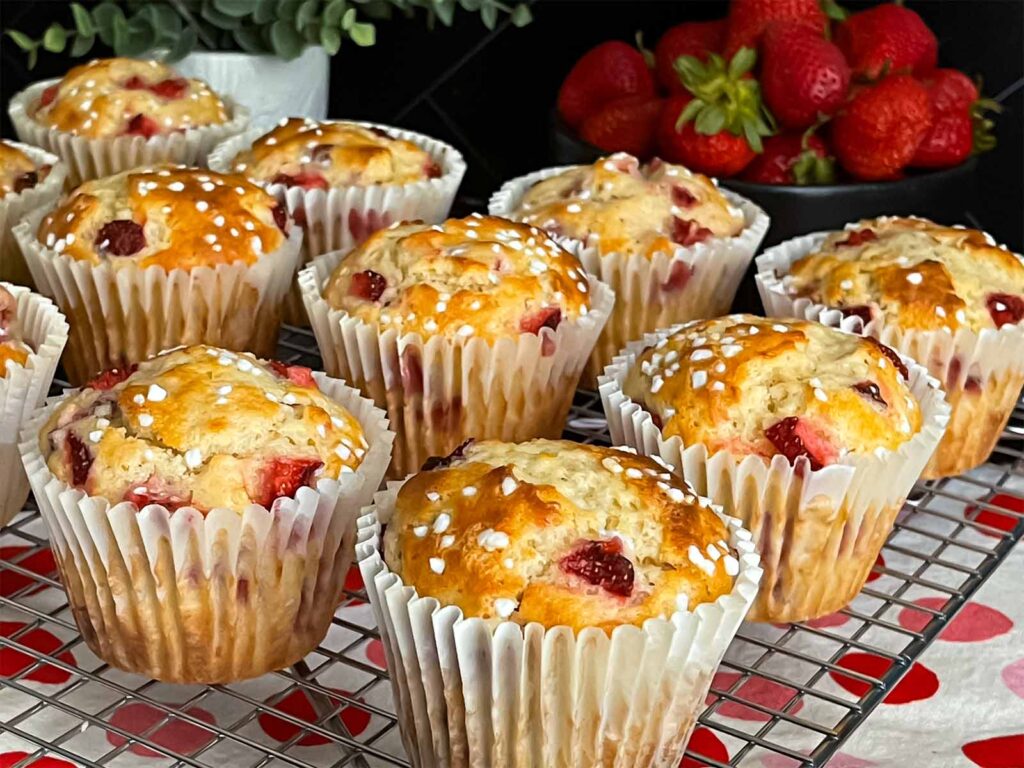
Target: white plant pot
x: 270, y: 87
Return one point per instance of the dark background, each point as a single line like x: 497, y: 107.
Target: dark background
x: 490, y: 93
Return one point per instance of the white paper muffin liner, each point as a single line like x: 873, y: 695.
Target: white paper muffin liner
x: 474, y: 692
x: 642, y: 303
x: 15, y: 205
x: 995, y: 357
x: 187, y: 598
x: 340, y: 218
x: 818, y: 531
x: 125, y: 314
x: 24, y: 387
x: 87, y: 158
x: 439, y: 392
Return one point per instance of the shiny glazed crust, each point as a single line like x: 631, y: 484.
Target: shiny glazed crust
x: 623, y: 207
x: 728, y: 383
x: 308, y: 153
x: 188, y: 217
x: 478, y: 277
x: 502, y: 531
x: 202, y: 427
x: 114, y: 97
x: 17, y: 171
x: 918, y: 274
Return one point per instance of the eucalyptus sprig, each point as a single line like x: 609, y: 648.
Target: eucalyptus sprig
x: 279, y: 27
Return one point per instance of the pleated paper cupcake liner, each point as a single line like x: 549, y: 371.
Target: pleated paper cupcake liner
x: 818, y: 531
x: 88, y: 158
x: 23, y: 388
x: 691, y: 283
x: 439, y: 392
x: 341, y: 218
x: 981, y: 371
x: 15, y: 205
x: 122, y: 314
x: 186, y: 598
x: 471, y: 692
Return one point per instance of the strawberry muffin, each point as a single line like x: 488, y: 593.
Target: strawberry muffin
x: 670, y: 244
x: 477, y: 327
x: 188, y: 451
x: 155, y: 258
x: 750, y: 409
x: 946, y: 296
x: 599, y: 553
x: 32, y: 335
x: 29, y: 178
x: 112, y: 114
x: 342, y: 181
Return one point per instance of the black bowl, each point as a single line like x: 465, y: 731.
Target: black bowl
x: 940, y: 195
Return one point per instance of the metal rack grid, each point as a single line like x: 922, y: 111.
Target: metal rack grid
x: 948, y: 540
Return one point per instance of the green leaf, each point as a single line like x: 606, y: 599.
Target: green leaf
x: 833, y: 10
x: 348, y: 19
x: 521, y: 15
x: 235, y: 8
x: 184, y: 45
x: 753, y: 137
x: 489, y: 16
x: 710, y: 120
x: 330, y: 39
x: 307, y: 13
x: 139, y: 38
x: 689, y: 112
x: 445, y: 10
x: 164, y: 21
x: 119, y: 34
x: 264, y: 11
x: 286, y: 9
x: 363, y: 34
x: 218, y: 19
x: 742, y: 62
x: 82, y: 45
x: 33, y: 57
x: 286, y: 40
x: 333, y: 13
x: 249, y: 40
x: 471, y: 5
x: 22, y: 40
x: 83, y: 21
x: 103, y: 16
x: 55, y: 38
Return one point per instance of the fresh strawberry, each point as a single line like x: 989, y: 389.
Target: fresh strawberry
x: 877, y: 133
x: 297, y: 374
x: 284, y: 476
x: 111, y: 377
x: 887, y: 38
x: 792, y: 158
x: 803, y: 75
x: 717, y: 126
x: 950, y: 90
x: 748, y: 19
x: 692, y: 38
x: 1005, y: 308
x: 601, y: 563
x: 948, y: 142
x: 628, y: 124
x: 607, y: 72
x: 368, y: 285
x: 141, y: 125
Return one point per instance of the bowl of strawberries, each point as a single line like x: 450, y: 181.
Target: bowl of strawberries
x: 819, y: 116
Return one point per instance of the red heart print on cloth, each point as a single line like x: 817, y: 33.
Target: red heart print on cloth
x: 13, y: 662
x: 973, y: 623
x: 175, y: 735
x: 298, y: 705
x: 704, y: 742
x: 917, y: 684
x: 1013, y: 676
x: 353, y: 583
x: 8, y: 759
x: 998, y: 752
x: 757, y: 690
x: 375, y: 653
x: 40, y: 562
x: 995, y: 519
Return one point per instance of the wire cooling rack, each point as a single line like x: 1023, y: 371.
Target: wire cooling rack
x: 782, y: 690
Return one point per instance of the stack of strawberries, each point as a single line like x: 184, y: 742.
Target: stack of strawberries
x: 781, y: 91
